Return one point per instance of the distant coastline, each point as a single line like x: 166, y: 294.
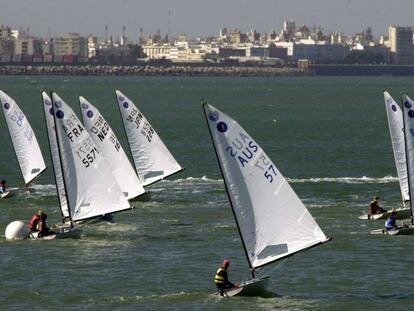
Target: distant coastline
x: 135, y: 70
x: 204, y: 70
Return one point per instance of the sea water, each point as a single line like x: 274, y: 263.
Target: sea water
x: 328, y: 136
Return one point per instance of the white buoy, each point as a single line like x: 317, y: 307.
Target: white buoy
x: 17, y: 230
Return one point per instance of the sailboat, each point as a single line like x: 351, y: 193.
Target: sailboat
x: 106, y: 141
x: 153, y: 161
x: 395, y: 123
x: 272, y: 221
x: 89, y: 188
x: 408, y: 131
x: 26, y: 147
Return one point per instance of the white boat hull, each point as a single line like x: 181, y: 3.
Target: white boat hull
x: 402, y: 213
x: 60, y: 233
x: 6, y: 195
x: 254, y: 287
x: 404, y: 230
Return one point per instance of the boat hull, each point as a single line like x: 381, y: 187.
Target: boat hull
x: 60, y: 233
x: 6, y: 195
x: 402, y: 213
x: 254, y: 287
x: 404, y: 230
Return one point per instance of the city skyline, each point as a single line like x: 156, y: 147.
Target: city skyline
x: 199, y: 18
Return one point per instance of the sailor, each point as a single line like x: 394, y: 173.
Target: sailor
x: 43, y: 228
x: 374, y: 207
x: 221, y: 279
x: 3, y: 186
x: 38, y: 223
x: 391, y: 223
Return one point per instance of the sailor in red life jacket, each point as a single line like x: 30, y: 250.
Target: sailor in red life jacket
x: 38, y: 223
x: 34, y: 221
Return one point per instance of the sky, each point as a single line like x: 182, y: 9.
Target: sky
x: 200, y: 18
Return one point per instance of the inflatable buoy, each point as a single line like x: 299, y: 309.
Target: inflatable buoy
x: 17, y: 230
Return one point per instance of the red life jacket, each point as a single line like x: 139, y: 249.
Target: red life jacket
x: 33, y: 222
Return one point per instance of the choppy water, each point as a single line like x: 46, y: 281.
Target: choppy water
x: 327, y: 135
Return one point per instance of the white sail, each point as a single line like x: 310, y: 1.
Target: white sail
x: 395, y: 123
x: 23, y: 138
x: 408, y: 110
x: 57, y: 169
x: 272, y: 220
x: 90, y: 186
x: 153, y: 161
x: 112, y: 150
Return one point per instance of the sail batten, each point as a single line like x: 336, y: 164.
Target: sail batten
x: 92, y: 190
x: 153, y: 161
x: 272, y: 220
x: 106, y: 140
x: 26, y: 147
x: 396, y: 124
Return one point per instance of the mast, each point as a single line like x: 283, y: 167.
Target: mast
x: 228, y: 194
x: 60, y: 159
x: 53, y: 164
x: 406, y: 156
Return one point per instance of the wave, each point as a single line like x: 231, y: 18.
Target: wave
x: 346, y: 180
x: 342, y: 180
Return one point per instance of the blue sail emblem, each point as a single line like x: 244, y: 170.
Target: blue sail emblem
x: 411, y: 113
x: 126, y: 105
x: 407, y: 104
x: 89, y: 114
x: 85, y: 106
x: 6, y: 106
x: 394, y: 108
x: 60, y: 114
x: 222, y: 127
x: 213, y: 116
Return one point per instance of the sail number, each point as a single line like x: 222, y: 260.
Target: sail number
x: 147, y: 131
x: 87, y: 152
x: 90, y: 157
x: 17, y: 117
x: 265, y: 165
x: 28, y: 133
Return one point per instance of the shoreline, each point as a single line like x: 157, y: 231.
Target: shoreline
x: 148, y: 70
x: 203, y: 70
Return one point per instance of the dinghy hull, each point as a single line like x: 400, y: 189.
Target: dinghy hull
x: 60, y: 233
x: 254, y: 287
x: 6, y: 195
x: 402, y: 213
x: 405, y: 230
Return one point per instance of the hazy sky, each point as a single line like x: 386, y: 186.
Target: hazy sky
x: 201, y: 17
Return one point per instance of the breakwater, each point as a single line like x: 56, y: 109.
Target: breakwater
x: 148, y: 70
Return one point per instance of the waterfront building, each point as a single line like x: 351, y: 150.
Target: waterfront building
x: 401, y: 45
x: 155, y: 51
x: 320, y: 53
x: 71, y: 44
x: 28, y: 46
